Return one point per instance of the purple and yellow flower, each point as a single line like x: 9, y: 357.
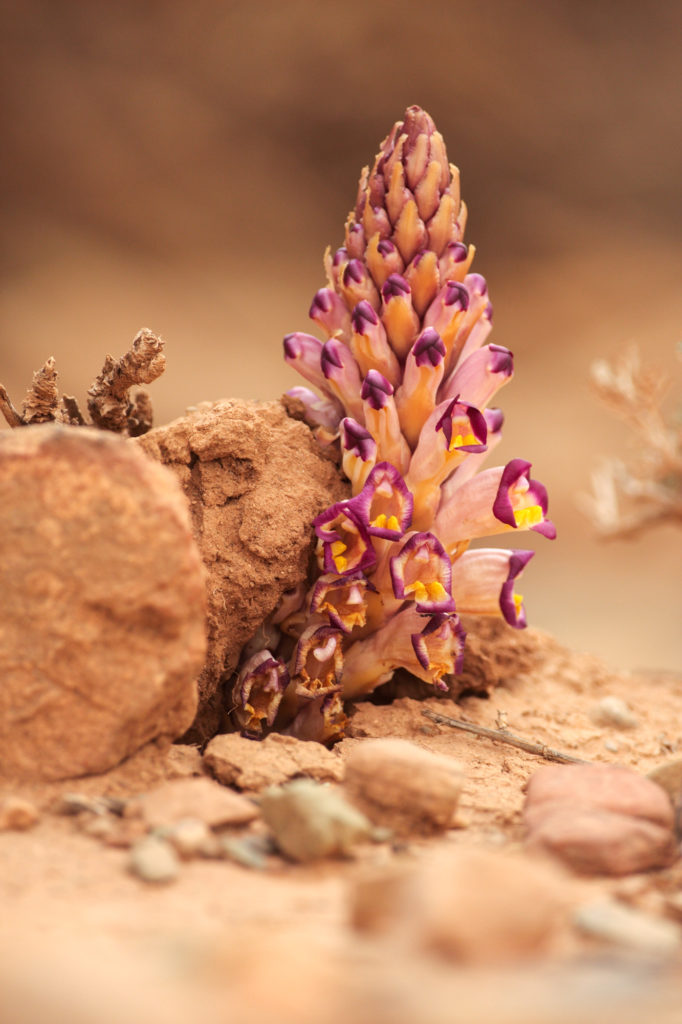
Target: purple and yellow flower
x: 494, y: 501
x: 405, y: 376
x: 258, y: 692
x: 345, y: 540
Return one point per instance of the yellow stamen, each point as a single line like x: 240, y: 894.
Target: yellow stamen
x: 459, y: 440
x: 518, y: 603
x: 340, y: 562
x: 383, y: 522
x: 418, y: 589
x: 437, y: 591
x: 527, y: 517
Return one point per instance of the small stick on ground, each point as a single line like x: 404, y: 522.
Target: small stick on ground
x: 502, y: 736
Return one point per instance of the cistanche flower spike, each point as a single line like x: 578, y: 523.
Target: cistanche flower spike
x: 405, y: 375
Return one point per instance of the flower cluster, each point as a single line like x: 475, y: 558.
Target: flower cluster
x: 405, y: 379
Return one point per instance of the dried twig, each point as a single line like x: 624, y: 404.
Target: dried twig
x: 12, y: 415
x: 42, y: 398
x: 109, y: 403
x: 627, y: 499
x: 502, y: 736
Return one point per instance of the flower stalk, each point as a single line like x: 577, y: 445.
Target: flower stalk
x: 405, y: 376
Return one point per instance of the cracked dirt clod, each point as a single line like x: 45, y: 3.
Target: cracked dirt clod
x: 255, y: 480
x: 101, y: 603
x: 250, y: 765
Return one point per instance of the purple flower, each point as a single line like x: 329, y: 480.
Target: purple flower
x: 480, y: 376
x: 342, y: 376
x: 491, y: 502
x: 421, y: 571
x: 358, y: 452
x: 483, y: 583
x: 370, y: 346
x: 416, y: 397
x: 382, y: 421
x: 330, y: 311
x: 384, y: 504
x: 346, y: 544
x: 317, y: 661
x: 430, y: 650
x: 257, y: 694
x: 341, y: 599
x: 398, y: 314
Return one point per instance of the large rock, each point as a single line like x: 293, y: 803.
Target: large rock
x: 255, y: 480
x: 102, y: 603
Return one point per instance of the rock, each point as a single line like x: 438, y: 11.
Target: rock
x: 599, y: 819
x: 253, y: 765
x: 183, y: 761
x: 79, y: 803
x: 249, y: 851
x: 669, y: 777
x: 154, y: 860
x: 255, y: 480
x: 310, y: 821
x: 466, y: 905
x: 402, y: 787
x: 17, y: 814
x: 101, y: 603
x: 189, y: 837
x: 199, y: 798
x: 613, y: 711
x: 607, y: 787
x: 600, y: 842
x: 624, y: 926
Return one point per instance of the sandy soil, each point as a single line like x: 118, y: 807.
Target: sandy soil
x: 83, y: 940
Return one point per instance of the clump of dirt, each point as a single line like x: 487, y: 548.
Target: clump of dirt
x: 255, y: 479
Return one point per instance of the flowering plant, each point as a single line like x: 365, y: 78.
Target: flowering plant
x: 404, y: 378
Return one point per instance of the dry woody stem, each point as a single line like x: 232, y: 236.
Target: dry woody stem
x: 502, y: 736
x: 110, y: 404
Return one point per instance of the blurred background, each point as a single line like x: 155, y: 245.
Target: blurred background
x: 183, y: 166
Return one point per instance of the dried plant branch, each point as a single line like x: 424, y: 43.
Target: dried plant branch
x: 42, y: 398
x: 12, y: 415
x: 627, y: 499
x: 502, y: 736
x: 109, y: 402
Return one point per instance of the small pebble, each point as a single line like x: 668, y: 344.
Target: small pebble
x: 77, y: 803
x: 99, y: 826
x: 623, y: 926
x: 249, y: 851
x: 612, y: 746
x: 403, y: 787
x: 311, y: 821
x: 17, y: 814
x: 154, y: 860
x: 187, y: 836
x: 612, y: 711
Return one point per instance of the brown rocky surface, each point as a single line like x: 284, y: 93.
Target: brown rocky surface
x: 192, y: 798
x: 248, y: 764
x: 255, y: 480
x: 101, y: 603
x: 600, y: 819
x: 225, y: 940
x: 402, y: 787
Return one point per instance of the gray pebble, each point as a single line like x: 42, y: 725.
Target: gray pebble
x: 311, y: 821
x: 154, y: 860
x: 627, y: 927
